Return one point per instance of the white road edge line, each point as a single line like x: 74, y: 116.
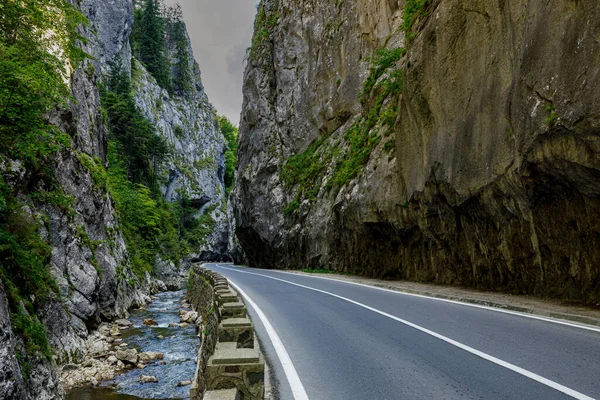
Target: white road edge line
x: 485, y: 356
x: 461, y: 303
x: 284, y: 358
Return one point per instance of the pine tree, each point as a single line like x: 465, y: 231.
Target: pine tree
x: 151, y: 45
x: 141, y: 147
x: 182, y: 76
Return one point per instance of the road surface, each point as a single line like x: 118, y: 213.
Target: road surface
x: 330, y: 340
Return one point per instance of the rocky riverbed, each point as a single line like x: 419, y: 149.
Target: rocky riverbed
x: 151, y: 355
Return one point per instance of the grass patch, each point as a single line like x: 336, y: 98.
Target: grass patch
x: 380, y: 95
x: 412, y: 10
x: 264, y: 24
x: 323, y: 271
x: 552, y: 116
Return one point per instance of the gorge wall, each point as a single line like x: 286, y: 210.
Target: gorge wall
x: 89, y: 259
x: 454, y: 143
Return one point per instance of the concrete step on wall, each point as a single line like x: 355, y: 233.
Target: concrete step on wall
x: 230, y: 368
x: 225, y: 394
x: 230, y: 354
x: 225, y: 346
x: 236, y: 369
x: 227, y: 297
x: 239, y: 330
x: 233, y: 310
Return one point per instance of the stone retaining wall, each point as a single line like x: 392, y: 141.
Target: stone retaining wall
x: 229, y: 365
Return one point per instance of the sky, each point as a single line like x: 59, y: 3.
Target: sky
x: 221, y: 31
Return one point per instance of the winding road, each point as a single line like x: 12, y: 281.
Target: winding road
x: 327, y: 340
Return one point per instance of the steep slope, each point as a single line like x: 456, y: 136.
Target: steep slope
x: 87, y: 255
x: 302, y: 86
x: 196, y: 164
x: 452, y: 143
x: 82, y: 229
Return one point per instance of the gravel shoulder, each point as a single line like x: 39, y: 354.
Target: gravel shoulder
x: 525, y: 304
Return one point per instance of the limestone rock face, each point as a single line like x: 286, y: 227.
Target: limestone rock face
x: 302, y: 85
x: 494, y: 177
x: 11, y: 381
x: 88, y: 248
x: 497, y: 147
x: 196, y: 167
x: 112, y: 22
x: 89, y: 258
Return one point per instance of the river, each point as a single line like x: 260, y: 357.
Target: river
x: 179, y: 347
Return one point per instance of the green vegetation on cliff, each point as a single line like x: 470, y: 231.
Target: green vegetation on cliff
x: 182, y: 76
x: 148, y: 40
x: 265, y: 22
x: 156, y: 27
x: 151, y: 226
x: 33, y: 83
x: 231, y: 134
x: 136, y: 137
x: 343, y: 162
x: 412, y: 10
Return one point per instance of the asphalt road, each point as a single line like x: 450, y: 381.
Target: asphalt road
x: 348, y: 341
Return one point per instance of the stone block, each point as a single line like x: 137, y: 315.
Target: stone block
x: 243, y: 369
x: 226, y: 346
x: 225, y: 394
x: 233, y: 310
x: 227, y: 297
x: 239, y: 330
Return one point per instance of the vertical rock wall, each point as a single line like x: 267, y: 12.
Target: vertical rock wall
x: 89, y: 258
x: 493, y: 177
x: 303, y: 84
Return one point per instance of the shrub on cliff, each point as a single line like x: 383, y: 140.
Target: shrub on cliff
x: 33, y: 82
x: 231, y: 134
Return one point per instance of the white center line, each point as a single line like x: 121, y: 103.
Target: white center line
x: 284, y: 358
x: 545, y: 381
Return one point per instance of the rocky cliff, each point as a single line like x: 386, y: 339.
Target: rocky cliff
x: 196, y: 162
x: 89, y: 258
x: 446, y: 141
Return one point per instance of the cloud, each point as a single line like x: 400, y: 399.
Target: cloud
x: 221, y: 31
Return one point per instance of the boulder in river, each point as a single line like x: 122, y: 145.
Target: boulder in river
x: 150, y: 322
x: 188, y: 316
x: 148, y: 379
x: 150, y: 356
x: 114, y: 331
x: 184, y: 383
x: 130, y: 356
x: 124, y: 323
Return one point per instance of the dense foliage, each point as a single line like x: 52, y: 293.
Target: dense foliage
x: 152, y: 227
x: 231, y: 134
x: 159, y: 41
x: 412, y: 10
x: 182, y: 76
x: 148, y: 40
x: 142, y: 148
x: 135, y: 150
x: 33, y: 81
